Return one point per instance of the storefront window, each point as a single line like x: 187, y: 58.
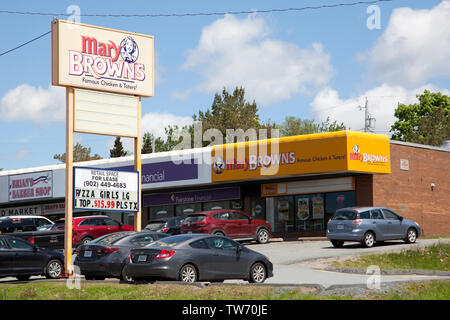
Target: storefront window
x: 159, y: 212
x: 338, y: 200
x: 309, y: 212
x: 236, y: 204
x: 216, y: 205
x: 188, y: 208
x: 284, y: 214
x: 258, y: 210
x: 128, y: 218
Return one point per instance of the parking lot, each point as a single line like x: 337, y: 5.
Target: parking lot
x: 299, y: 262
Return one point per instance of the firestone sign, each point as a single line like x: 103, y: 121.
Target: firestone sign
x: 102, y: 59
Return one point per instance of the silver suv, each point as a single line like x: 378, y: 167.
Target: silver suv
x: 368, y: 225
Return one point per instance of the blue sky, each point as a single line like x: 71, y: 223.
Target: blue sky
x: 310, y: 64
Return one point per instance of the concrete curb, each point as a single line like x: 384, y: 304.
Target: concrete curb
x: 393, y: 272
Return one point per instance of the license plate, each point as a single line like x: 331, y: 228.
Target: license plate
x: 142, y: 258
x: 88, y: 254
x: 340, y: 227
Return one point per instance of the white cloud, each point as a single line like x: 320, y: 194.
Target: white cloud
x: 21, y: 154
x: 382, y: 102
x: 238, y: 52
x: 28, y: 103
x: 414, y: 48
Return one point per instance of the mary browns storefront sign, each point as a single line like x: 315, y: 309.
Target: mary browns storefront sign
x: 307, y: 154
x: 102, y: 59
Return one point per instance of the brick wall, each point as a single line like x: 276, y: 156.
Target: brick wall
x: 409, y: 192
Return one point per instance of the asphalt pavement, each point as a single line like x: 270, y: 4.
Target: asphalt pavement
x: 295, y: 263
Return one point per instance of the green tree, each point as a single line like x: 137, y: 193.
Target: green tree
x: 80, y: 154
x: 427, y: 122
x: 292, y: 126
x: 147, y: 143
x: 117, y: 151
x: 230, y: 111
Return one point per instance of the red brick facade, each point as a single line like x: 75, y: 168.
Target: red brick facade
x: 409, y: 192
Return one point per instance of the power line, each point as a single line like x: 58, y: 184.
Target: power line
x: 53, y: 14
x: 25, y: 43
x: 196, y: 14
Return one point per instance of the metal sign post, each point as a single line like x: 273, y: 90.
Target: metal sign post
x: 68, y: 267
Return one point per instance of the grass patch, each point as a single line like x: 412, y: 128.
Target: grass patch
x: 436, y: 290
x: 434, y: 257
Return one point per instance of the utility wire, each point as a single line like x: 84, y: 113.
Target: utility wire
x: 179, y: 15
x: 153, y: 15
x: 25, y: 43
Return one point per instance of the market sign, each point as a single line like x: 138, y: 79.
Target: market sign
x: 97, y: 58
x: 106, y: 189
x: 33, y: 210
x: 30, y: 186
x: 322, y: 153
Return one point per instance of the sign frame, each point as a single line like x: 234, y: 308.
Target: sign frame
x: 108, y: 210
x: 59, y: 80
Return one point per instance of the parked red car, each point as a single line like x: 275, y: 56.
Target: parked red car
x: 85, y: 229
x: 231, y: 223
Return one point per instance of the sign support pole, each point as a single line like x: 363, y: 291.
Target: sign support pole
x: 137, y: 167
x: 69, y: 183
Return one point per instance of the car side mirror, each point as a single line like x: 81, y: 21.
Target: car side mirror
x: 401, y: 218
x: 238, y: 249
x: 35, y: 249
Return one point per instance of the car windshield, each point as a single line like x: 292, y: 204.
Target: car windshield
x: 170, y: 241
x: 155, y: 225
x: 111, y: 238
x: 344, y: 215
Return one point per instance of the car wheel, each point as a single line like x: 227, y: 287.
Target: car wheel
x: 257, y: 273
x: 219, y: 233
x: 368, y: 240
x: 188, y: 273
x: 126, y: 277
x: 88, y: 278
x: 411, y: 236
x: 23, y: 278
x: 337, y: 243
x: 263, y: 236
x: 54, y: 269
x: 86, y: 240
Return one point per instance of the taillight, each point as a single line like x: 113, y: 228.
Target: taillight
x: 164, y: 254
x: 106, y: 250
x: 357, y: 222
x: 164, y: 230
x: 31, y: 240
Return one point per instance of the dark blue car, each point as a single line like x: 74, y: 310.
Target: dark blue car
x: 22, y: 259
x: 368, y: 225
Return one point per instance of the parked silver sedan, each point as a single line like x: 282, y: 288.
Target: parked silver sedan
x: 368, y: 225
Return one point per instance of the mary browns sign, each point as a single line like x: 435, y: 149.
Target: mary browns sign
x: 97, y: 58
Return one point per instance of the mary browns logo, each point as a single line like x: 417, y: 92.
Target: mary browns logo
x: 365, y: 157
x: 101, y: 59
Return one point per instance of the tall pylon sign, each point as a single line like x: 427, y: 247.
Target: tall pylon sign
x: 106, y: 73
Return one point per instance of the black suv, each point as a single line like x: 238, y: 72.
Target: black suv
x: 166, y: 225
x: 19, y: 223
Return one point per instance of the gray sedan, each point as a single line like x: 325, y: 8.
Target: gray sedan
x: 368, y: 225
x: 197, y: 257
x: 105, y: 257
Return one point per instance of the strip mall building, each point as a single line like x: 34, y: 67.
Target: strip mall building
x: 295, y: 183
